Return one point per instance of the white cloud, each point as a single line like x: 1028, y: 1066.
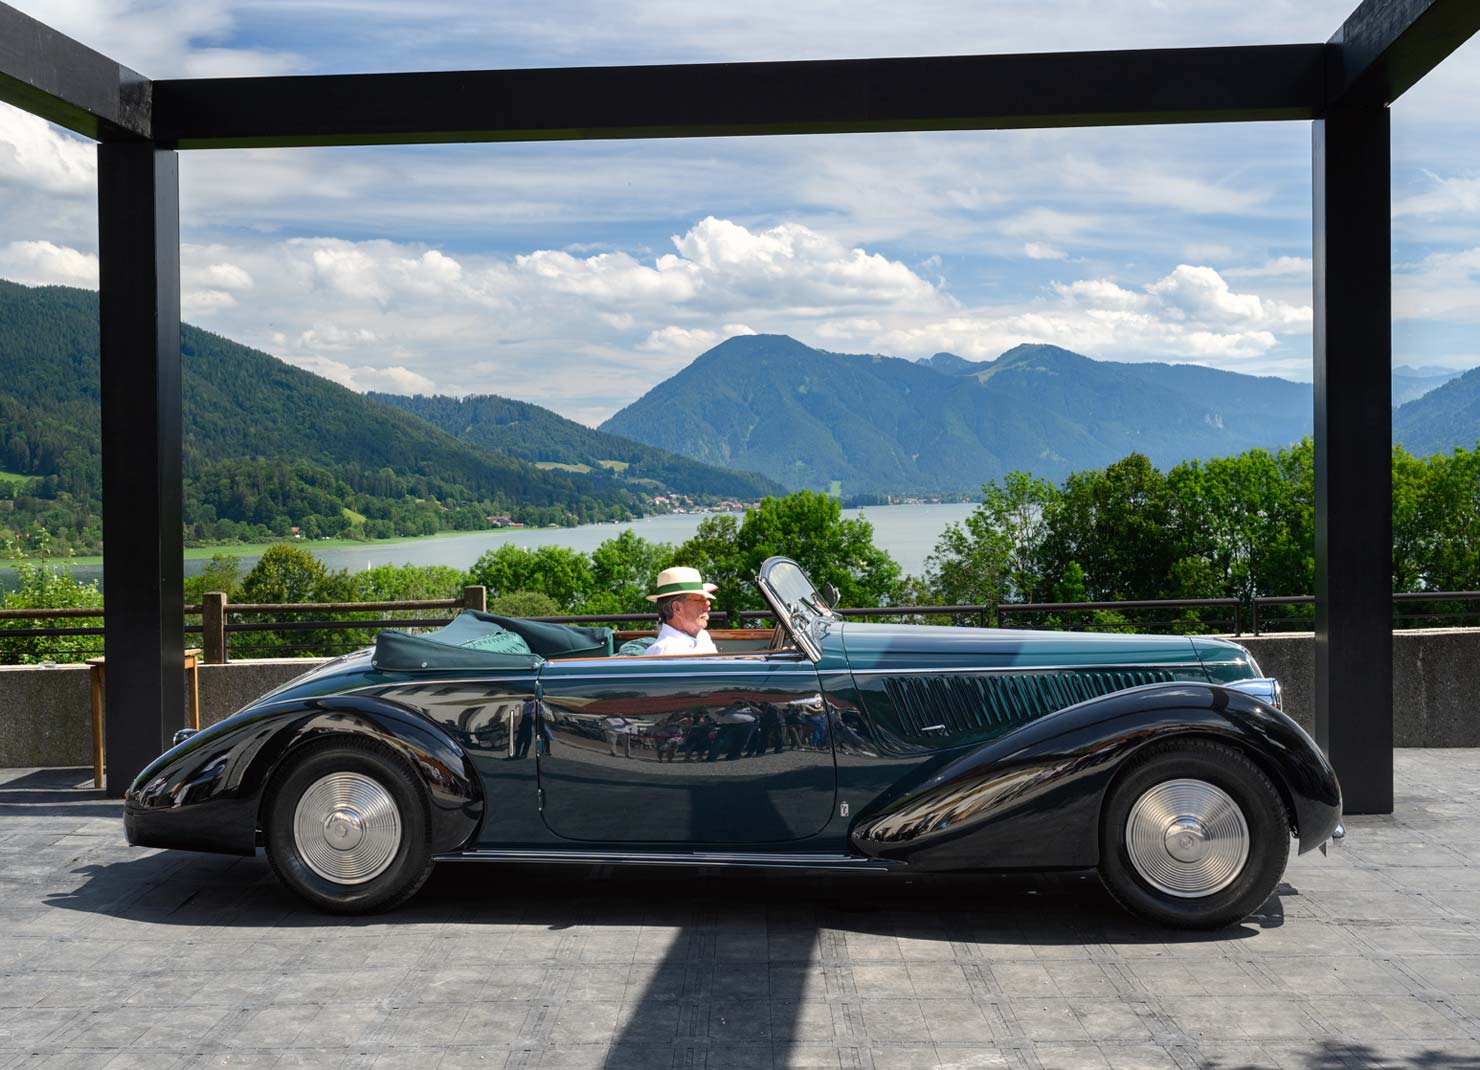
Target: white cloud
x: 1189, y: 314
x: 228, y: 276
x: 162, y: 38
x: 1279, y: 267
x: 40, y: 263
x: 1442, y: 286
x: 391, y: 380
x: 240, y: 63
x: 688, y: 342
x: 1037, y: 250
x: 204, y: 302
x: 34, y: 153
x: 1444, y: 197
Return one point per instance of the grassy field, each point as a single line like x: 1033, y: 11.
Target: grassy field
x: 615, y: 466
x: 547, y: 465
x: 15, y: 478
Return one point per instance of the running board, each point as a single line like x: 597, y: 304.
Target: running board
x: 851, y: 863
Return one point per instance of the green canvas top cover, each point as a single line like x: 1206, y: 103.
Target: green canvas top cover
x: 477, y: 640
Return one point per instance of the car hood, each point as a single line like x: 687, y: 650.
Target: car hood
x: 900, y: 647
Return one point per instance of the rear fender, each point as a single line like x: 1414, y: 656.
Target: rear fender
x: 209, y: 792
x: 1031, y: 799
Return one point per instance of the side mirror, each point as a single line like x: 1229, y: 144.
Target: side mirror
x: 830, y: 595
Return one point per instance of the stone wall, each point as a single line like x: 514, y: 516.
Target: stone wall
x: 44, y: 712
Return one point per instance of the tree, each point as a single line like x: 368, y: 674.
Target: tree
x: 524, y: 604
x: 808, y: 528
x: 44, y: 584
x: 222, y: 573
x: 993, y: 556
x: 624, y: 571
x: 562, y: 574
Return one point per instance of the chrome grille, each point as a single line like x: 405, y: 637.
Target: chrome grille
x: 986, y: 703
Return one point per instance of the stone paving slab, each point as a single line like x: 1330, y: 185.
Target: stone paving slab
x: 117, y: 957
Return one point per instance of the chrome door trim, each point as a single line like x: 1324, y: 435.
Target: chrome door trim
x: 1022, y: 669
x: 776, y: 860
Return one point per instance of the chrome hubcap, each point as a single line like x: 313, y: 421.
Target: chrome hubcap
x: 1187, y: 838
x: 347, y: 828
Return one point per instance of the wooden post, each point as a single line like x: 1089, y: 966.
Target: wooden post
x: 476, y: 598
x: 213, y: 627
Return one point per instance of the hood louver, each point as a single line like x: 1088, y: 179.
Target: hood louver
x: 931, y: 709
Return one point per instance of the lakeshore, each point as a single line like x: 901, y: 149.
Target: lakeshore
x: 908, y: 532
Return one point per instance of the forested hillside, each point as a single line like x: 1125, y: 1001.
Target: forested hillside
x: 536, y: 434
x: 268, y: 447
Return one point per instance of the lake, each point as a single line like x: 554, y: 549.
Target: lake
x: 908, y: 532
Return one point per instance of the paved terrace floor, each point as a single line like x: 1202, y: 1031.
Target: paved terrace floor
x: 117, y: 957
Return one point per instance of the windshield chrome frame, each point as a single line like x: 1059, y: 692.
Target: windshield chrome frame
x: 800, y: 631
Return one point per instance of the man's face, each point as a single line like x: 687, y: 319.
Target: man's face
x: 691, y: 614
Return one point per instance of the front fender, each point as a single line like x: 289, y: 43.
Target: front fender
x: 1031, y: 799
x: 207, y: 793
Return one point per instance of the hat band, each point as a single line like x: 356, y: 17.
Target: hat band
x: 680, y: 587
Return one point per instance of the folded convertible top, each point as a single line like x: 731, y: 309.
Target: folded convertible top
x: 477, y: 640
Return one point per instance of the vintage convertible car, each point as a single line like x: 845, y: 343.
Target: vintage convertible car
x: 1164, y: 762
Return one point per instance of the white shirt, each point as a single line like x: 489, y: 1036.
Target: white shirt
x: 673, y: 641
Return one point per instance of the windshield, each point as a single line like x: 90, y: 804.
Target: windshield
x: 795, y: 601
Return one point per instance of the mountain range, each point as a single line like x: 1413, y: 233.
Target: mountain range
x: 1442, y: 419
x: 876, y: 424
x: 870, y: 424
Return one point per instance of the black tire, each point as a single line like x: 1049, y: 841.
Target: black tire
x: 386, y: 814
x: 1232, y: 895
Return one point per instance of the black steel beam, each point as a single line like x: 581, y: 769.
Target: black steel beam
x: 834, y: 96
x: 139, y: 308
x: 51, y: 75
x: 1386, y: 46
x: 1353, y: 452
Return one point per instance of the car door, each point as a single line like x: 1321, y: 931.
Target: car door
x: 692, y: 750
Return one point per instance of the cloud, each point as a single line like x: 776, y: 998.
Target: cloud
x: 1188, y: 314
x: 240, y: 63
x: 1443, y: 286
x: 687, y: 342
x: 1279, y: 267
x: 1444, y: 198
x: 40, y: 263
x: 163, y: 38
x: 1037, y: 250
x: 794, y: 265
x: 363, y: 378
x: 34, y: 153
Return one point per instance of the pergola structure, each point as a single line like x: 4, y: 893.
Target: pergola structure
x: 1343, y: 87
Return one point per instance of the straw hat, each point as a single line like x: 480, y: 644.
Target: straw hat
x: 680, y: 579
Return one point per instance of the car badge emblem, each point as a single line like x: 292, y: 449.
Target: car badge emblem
x: 843, y: 810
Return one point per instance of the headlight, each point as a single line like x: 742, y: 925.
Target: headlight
x: 1265, y: 688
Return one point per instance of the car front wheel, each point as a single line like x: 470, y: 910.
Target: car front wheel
x: 1193, y: 836
x: 348, y: 828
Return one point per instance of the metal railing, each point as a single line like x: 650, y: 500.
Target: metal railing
x: 215, y: 626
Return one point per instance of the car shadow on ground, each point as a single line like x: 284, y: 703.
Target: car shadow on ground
x: 189, y: 888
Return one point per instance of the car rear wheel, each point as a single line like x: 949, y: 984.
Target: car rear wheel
x: 348, y: 828
x: 1193, y: 836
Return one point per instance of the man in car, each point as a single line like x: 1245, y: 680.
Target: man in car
x: 683, y: 611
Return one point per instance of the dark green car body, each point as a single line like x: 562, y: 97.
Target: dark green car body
x: 860, y: 745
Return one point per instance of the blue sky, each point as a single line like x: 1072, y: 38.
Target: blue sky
x: 579, y: 275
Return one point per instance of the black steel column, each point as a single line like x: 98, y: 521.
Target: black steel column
x: 1353, y: 453
x: 144, y: 640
